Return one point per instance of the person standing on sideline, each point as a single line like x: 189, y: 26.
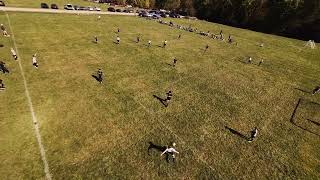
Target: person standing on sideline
x: 149, y: 43
x: 164, y: 43
x: 100, y: 75
x: 3, y: 68
x: 118, y: 40
x: 253, y: 134
x: 316, y: 90
x: 34, y: 61
x: 1, y: 85
x: 170, y: 151
x: 174, y: 62
x: 14, y: 54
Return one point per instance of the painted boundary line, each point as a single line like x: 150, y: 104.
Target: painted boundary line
x: 34, y: 119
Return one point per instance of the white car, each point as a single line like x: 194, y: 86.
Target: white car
x: 96, y: 9
x: 68, y: 7
x: 90, y: 8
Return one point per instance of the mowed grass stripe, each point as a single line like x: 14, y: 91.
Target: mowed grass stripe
x: 34, y: 118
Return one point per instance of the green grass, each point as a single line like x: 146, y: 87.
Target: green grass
x: 93, y: 131
x: 60, y: 3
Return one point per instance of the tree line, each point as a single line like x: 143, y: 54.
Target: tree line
x: 293, y: 18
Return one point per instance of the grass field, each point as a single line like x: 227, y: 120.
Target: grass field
x: 101, y: 131
x: 60, y: 3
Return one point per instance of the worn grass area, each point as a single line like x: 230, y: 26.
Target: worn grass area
x: 93, y: 130
x: 60, y: 3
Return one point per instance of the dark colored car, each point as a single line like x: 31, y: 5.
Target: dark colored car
x: 44, y: 5
x: 54, y: 6
x: 118, y: 10
x: 111, y: 9
x: 2, y: 3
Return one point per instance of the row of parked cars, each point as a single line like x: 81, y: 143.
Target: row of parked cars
x: 157, y: 14
x: 70, y: 7
x: 112, y: 9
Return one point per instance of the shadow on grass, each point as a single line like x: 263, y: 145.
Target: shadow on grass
x: 236, y: 133
x: 161, y: 100
x: 169, y: 64
x: 95, y: 77
x: 156, y: 147
x: 294, y: 123
x: 303, y: 90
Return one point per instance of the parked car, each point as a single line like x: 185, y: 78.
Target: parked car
x: 76, y: 7
x: 68, y: 7
x: 111, y: 9
x: 2, y: 3
x: 54, y: 6
x: 96, y: 9
x: 44, y: 5
x: 156, y: 16
x: 143, y: 14
x: 81, y: 8
x: 118, y: 10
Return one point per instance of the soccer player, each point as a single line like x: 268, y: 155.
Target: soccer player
x: 170, y: 151
x: 229, y: 39
x: 179, y: 36
x: 96, y: 39
x: 206, y: 48
x: 260, y: 62
x: 169, y: 97
x: 100, y: 75
x: 3, y: 67
x: 118, y: 30
x: 14, y: 54
x: 253, y: 135
x: 164, y: 43
x: 316, y: 90
x: 34, y: 61
x: 118, y: 40
x: 174, y: 62
x: 250, y: 60
x: 138, y: 39
x: 2, y: 27
x: 149, y: 43
x: 1, y: 85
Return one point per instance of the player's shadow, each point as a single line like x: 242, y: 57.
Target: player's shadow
x: 244, y: 61
x: 95, y: 77
x: 169, y: 64
x: 302, y: 90
x: 236, y: 133
x: 156, y: 147
x: 161, y: 100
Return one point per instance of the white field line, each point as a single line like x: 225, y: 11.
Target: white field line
x: 34, y: 119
